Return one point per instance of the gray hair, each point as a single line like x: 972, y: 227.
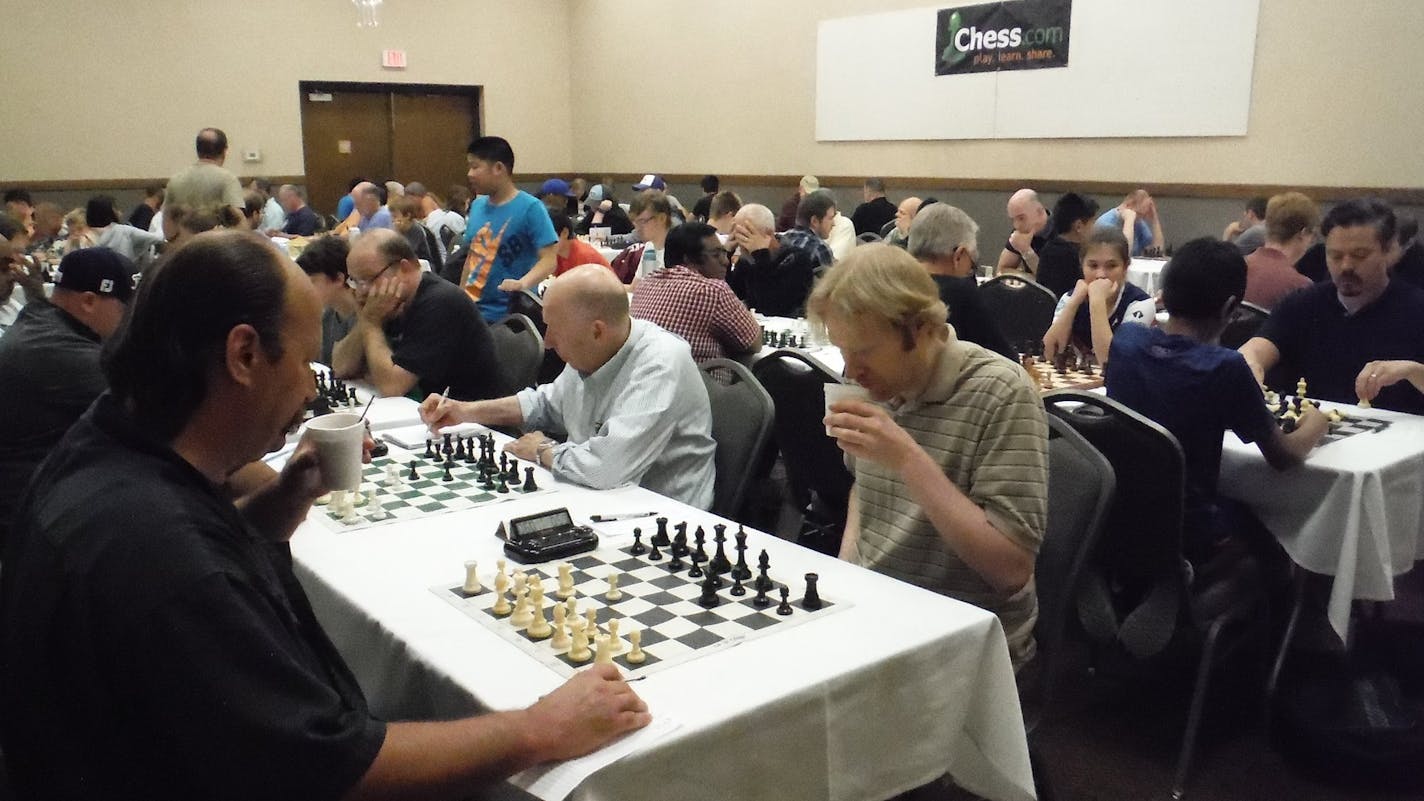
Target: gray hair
x: 759, y: 216
x: 940, y: 228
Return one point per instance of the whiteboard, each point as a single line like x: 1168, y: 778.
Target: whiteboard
x: 1145, y: 68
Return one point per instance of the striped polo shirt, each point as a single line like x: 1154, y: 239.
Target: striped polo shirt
x: 981, y: 419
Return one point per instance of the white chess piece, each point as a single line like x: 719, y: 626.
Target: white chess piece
x: 591, y: 621
x: 613, y: 594
x: 566, y: 581
x: 604, y: 656
x: 472, y: 578
x: 571, y: 606
x: 561, y: 633
x: 338, y: 501
x: 538, y: 627
x: 636, y: 655
x: 375, y: 510
x: 393, y: 476
x: 501, y: 600
x: 579, y: 651
x: 616, y: 644
x: 522, y: 616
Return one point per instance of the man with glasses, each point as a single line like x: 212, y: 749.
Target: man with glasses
x: 691, y: 298
x: 415, y: 332
x: 652, y: 219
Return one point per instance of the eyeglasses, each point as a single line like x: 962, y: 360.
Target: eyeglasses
x: 643, y: 220
x: 358, y: 283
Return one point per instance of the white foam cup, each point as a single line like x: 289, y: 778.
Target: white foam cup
x: 338, y: 438
x: 841, y: 392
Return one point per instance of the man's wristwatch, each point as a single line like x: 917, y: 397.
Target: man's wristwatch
x: 547, y: 446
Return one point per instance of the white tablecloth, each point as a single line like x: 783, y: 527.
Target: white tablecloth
x: 902, y: 686
x: 1146, y: 273
x: 1354, y: 510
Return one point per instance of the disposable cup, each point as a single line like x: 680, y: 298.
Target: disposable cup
x: 842, y: 392
x: 338, y: 438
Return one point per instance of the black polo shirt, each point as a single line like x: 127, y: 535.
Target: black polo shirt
x: 1319, y: 342
x: 971, y: 319
x: 49, y: 374
x: 443, y: 340
x: 1036, y: 243
x: 1059, y: 266
x: 872, y: 215
x: 155, y: 647
x: 302, y: 222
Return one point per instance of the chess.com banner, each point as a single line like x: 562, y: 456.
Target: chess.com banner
x: 1015, y: 35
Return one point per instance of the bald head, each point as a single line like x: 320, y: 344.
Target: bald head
x: 758, y: 217
x: 593, y: 292
x: 905, y: 214
x: 1026, y: 212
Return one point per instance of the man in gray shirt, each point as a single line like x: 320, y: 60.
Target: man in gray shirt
x: 630, y: 401
x: 206, y: 183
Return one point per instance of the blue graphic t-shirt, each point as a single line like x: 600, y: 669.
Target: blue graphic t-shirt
x: 504, y: 242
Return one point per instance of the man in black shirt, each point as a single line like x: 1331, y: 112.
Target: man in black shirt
x: 1356, y: 336
x: 876, y: 211
x: 771, y: 276
x: 301, y: 220
x: 156, y: 643
x: 943, y: 239
x: 1032, y: 229
x: 49, y: 364
x: 415, y: 332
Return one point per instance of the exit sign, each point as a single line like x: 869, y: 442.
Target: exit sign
x: 393, y: 59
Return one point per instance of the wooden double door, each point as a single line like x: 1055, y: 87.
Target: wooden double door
x: 405, y: 132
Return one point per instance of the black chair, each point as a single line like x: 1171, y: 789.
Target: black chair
x: 529, y: 304
x: 1022, y: 308
x: 1246, y: 320
x: 886, y: 229
x: 818, y: 480
x: 742, y: 414
x: 519, y: 351
x: 1140, y: 601
x: 868, y: 237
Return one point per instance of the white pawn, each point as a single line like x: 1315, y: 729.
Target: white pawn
x: 616, y: 644
x: 501, y: 600
x: 604, y: 655
x: 636, y: 655
x: 522, y: 616
x: 393, y: 476
x: 561, y: 633
x: 538, y: 627
x: 571, y: 606
x: 579, y: 651
x: 472, y: 579
x: 566, y: 581
x: 613, y: 594
x: 348, y: 508
x: 374, y: 509
x: 590, y: 621
x: 338, y: 502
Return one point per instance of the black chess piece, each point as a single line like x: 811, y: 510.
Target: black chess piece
x: 638, y: 548
x: 446, y: 448
x: 760, y: 600
x: 503, y: 462
x: 351, y: 392
x: 460, y: 448
x: 741, y: 571
x: 470, y: 457
x: 660, y: 538
x: 699, y: 555
x: 503, y: 487
x: 695, y: 570
x: 512, y: 474
x: 412, y: 475
x: 487, y: 481
x: 784, y: 608
x: 709, y: 597
x: 675, y: 563
x: 719, y: 563
x: 429, y: 454
x: 763, y: 580
x: 812, y: 601
x: 738, y: 588
x: 447, y: 476
x: 655, y: 555
x: 679, y: 541
x: 529, y: 485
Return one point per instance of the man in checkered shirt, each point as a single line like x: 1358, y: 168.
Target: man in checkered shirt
x: 691, y: 298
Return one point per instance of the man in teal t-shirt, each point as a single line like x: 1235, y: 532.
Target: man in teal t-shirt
x: 512, y: 244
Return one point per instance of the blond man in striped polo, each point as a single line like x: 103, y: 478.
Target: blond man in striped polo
x: 951, y: 460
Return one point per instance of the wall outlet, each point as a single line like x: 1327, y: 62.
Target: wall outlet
x: 252, y: 155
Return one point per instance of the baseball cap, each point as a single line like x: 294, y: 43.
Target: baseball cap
x: 595, y: 194
x: 556, y: 186
x: 98, y: 270
x: 650, y: 181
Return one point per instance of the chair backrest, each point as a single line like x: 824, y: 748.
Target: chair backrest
x: 868, y: 237
x: 886, y: 229
x: 529, y: 304
x: 447, y: 235
x: 742, y: 415
x: 1245, y: 321
x: 1022, y: 308
x: 519, y: 351
x: 1081, y: 487
x: 815, y: 466
x: 1139, y: 561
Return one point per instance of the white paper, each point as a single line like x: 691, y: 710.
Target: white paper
x: 555, y: 781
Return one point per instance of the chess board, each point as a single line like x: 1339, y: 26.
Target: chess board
x: 411, y: 499
x: 658, y: 602
x: 1048, y: 378
x: 1347, y: 426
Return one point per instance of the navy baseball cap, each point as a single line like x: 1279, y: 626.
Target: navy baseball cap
x: 556, y: 186
x: 98, y: 270
x: 650, y: 181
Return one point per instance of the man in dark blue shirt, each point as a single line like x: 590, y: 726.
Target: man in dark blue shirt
x: 1356, y: 337
x: 1178, y: 376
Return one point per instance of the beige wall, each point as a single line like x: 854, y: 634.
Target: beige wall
x: 127, y: 84
x: 730, y: 88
